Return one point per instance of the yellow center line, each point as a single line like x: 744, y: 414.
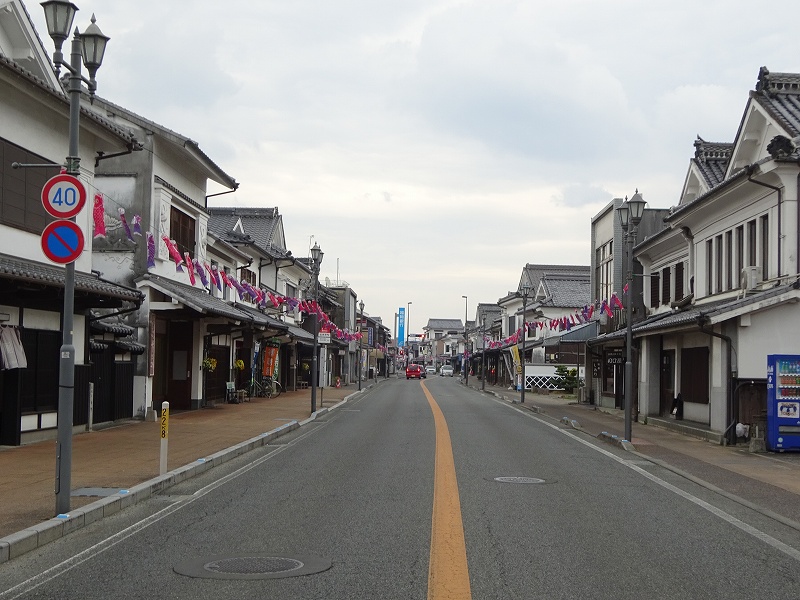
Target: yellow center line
x: 448, y: 573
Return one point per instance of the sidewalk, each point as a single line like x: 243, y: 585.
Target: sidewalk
x: 127, y: 454
x: 769, y: 482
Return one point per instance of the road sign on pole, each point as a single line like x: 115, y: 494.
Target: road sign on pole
x: 62, y: 241
x: 63, y: 196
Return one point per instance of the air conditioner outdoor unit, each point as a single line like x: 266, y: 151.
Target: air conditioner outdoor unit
x: 750, y: 278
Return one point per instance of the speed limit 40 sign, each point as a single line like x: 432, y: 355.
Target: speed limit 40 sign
x: 63, y: 196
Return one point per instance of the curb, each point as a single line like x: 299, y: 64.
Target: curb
x: 36, y: 536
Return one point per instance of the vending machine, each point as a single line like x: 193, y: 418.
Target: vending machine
x: 783, y: 402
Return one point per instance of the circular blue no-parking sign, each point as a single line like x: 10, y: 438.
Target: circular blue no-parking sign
x: 62, y: 242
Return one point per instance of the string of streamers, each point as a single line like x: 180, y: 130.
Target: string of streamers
x: 564, y: 323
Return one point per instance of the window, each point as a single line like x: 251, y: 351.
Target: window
x: 665, y: 285
x: 225, y: 289
x: 729, y: 261
x: 214, y: 291
x: 718, y: 264
x: 709, y: 267
x: 739, y: 249
x: 605, y: 270
x: 751, y: 243
x: 765, y: 248
x: 512, y: 325
x: 21, y: 189
x: 181, y: 230
x: 246, y: 275
x: 655, y: 298
x: 679, y: 293
x: 291, y: 291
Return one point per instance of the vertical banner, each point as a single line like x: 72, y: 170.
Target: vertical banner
x: 401, y: 327
x: 270, y: 361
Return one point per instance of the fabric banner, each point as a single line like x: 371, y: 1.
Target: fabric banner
x: 270, y: 361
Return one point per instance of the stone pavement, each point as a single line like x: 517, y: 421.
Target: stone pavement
x: 769, y: 482
x: 128, y: 454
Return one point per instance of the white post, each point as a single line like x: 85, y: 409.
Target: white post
x: 164, y: 436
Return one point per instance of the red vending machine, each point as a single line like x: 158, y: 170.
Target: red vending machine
x: 783, y: 402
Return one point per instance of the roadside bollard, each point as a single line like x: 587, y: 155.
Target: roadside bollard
x: 164, y: 436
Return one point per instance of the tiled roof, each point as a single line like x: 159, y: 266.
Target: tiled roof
x: 711, y: 159
x: 118, y: 329
x: 125, y: 134
x: 691, y: 316
x: 259, y: 226
x: 445, y: 324
x: 536, y: 272
x: 130, y: 345
x: 13, y: 268
x: 779, y: 95
x: 567, y: 290
x: 179, y: 140
x: 195, y: 298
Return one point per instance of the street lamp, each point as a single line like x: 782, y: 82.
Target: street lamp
x: 408, y: 332
x: 630, y: 215
x: 466, y: 368
x: 89, y: 46
x: 526, y: 288
x: 316, y: 261
x: 360, y: 341
x: 483, y: 357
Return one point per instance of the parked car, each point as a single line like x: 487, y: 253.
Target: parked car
x: 414, y: 372
x: 430, y: 370
x: 446, y: 371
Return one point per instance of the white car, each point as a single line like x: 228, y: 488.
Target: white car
x: 430, y: 370
x: 446, y: 371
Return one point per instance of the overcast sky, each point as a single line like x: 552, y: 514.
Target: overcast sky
x: 433, y: 147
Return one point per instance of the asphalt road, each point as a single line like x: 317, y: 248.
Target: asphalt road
x: 351, y: 495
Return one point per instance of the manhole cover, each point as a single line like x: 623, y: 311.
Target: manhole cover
x: 518, y: 480
x: 252, y: 566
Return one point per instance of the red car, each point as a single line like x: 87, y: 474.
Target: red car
x: 414, y: 372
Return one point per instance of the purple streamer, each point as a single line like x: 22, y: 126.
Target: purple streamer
x: 151, y: 251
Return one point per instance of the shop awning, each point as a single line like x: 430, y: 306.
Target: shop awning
x: 260, y: 319
x: 196, y: 299
x: 35, y: 284
x: 300, y: 335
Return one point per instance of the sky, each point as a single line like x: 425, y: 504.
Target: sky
x: 433, y: 147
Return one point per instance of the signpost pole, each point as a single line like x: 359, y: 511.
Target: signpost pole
x: 66, y: 367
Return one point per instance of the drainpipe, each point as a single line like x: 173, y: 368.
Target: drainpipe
x: 750, y: 170
x: 727, y: 438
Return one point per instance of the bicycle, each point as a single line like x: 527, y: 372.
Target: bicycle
x: 266, y: 388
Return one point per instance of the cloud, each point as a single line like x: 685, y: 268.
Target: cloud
x: 582, y: 194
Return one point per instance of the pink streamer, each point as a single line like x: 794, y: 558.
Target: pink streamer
x: 98, y: 213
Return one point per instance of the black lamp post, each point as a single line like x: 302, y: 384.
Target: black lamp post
x: 466, y: 353
x: 408, y: 333
x: 360, y: 341
x: 526, y: 288
x: 316, y: 261
x: 89, y: 46
x: 483, y: 357
x: 630, y: 215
